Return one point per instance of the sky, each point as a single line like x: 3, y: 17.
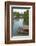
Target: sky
x: 21, y: 11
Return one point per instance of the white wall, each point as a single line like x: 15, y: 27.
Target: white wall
x: 2, y: 26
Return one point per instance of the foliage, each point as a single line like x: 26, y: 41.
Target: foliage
x: 26, y: 17
x: 17, y: 14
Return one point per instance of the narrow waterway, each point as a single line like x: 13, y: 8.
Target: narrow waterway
x: 16, y: 24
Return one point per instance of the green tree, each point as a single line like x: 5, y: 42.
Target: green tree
x: 17, y: 14
x: 26, y: 17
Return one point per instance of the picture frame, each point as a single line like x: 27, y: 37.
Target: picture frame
x: 11, y: 7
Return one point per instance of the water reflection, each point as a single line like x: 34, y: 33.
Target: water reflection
x: 16, y: 24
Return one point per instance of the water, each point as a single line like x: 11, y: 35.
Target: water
x: 16, y: 24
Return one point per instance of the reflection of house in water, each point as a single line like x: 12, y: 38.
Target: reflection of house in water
x: 20, y: 22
